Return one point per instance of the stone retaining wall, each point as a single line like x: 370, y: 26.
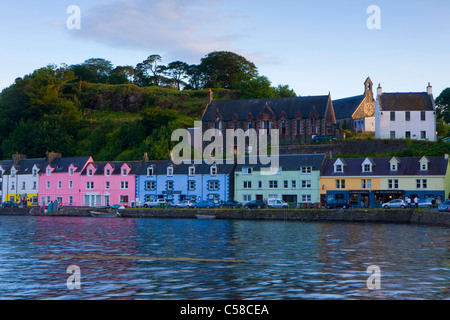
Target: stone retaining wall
x: 419, y: 217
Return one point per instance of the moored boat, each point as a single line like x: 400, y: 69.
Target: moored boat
x: 105, y: 214
x: 204, y: 216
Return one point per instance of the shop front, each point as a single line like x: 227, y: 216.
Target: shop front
x: 361, y: 198
x: 383, y: 196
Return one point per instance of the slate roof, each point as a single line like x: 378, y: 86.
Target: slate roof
x: 228, y: 108
x: 116, y: 165
x: 160, y: 167
x: 62, y: 165
x: 412, y: 101
x: 289, y: 162
x: 24, y: 166
x: 6, y: 164
x: 345, y: 108
x: 407, y: 167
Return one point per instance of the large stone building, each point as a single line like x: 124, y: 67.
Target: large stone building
x: 357, y: 113
x: 298, y: 119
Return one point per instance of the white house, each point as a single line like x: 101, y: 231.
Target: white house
x: 405, y: 115
x: 20, y: 180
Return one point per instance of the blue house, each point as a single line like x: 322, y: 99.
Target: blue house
x: 175, y: 183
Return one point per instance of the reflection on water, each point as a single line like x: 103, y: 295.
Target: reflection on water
x: 215, y: 259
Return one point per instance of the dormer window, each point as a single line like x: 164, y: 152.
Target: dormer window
x: 247, y: 171
x: 339, y: 166
x: 191, y: 170
x: 71, y: 171
x: 49, y: 171
x: 107, y: 172
x: 90, y: 172
x: 213, y: 170
x: 367, y: 165
x: 424, y: 164
x: 35, y: 172
x: 124, y: 172
x: 394, y: 163
x: 170, y: 171
x: 150, y: 171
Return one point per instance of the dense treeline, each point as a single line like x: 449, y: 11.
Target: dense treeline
x: 118, y: 113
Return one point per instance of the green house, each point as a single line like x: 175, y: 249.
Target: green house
x: 297, y: 181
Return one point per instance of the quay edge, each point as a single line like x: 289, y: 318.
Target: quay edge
x: 401, y: 216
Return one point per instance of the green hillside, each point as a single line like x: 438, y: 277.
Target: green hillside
x: 119, y: 113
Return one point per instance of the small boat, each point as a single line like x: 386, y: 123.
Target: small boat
x: 105, y: 214
x: 204, y: 216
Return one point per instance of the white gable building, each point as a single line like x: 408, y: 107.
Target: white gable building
x: 405, y: 115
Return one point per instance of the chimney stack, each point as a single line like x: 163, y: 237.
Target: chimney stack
x: 17, y: 157
x: 380, y: 90
x: 429, y: 89
x: 209, y: 97
x: 51, y: 156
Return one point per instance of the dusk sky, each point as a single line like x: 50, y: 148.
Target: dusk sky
x: 315, y: 47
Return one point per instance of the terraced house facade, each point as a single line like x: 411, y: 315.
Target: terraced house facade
x: 60, y: 180
x: 297, y: 181
x: 370, y: 182
x: 178, y: 182
x: 20, y: 180
x: 108, y: 183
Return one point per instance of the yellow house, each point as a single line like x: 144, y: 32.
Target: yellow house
x: 374, y: 181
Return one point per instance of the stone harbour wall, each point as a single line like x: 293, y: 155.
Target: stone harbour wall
x: 401, y: 216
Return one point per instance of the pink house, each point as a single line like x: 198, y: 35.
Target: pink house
x: 108, y: 183
x: 60, y: 180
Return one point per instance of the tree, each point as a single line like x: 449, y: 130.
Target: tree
x: 443, y: 105
x: 150, y: 65
x: 257, y: 88
x: 122, y: 75
x: 226, y: 69
x: 178, y: 71
x: 96, y: 70
x: 195, y: 77
x: 283, y: 91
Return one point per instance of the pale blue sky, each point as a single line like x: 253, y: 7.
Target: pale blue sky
x: 315, y: 47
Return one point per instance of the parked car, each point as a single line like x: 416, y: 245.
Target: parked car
x: 338, y: 203
x: 154, y: 203
x: 277, y: 203
x: 9, y: 204
x: 444, y: 206
x: 426, y: 203
x: 255, y: 204
x: 398, y: 203
x: 231, y: 204
x: 117, y: 206
x: 185, y: 204
x: 205, y: 204
x: 319, y: 139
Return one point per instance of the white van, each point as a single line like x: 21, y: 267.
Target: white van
x: 277, y: 203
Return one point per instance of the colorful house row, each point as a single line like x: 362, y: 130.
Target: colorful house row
x: 82, y: 181
x: 299, y: 180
